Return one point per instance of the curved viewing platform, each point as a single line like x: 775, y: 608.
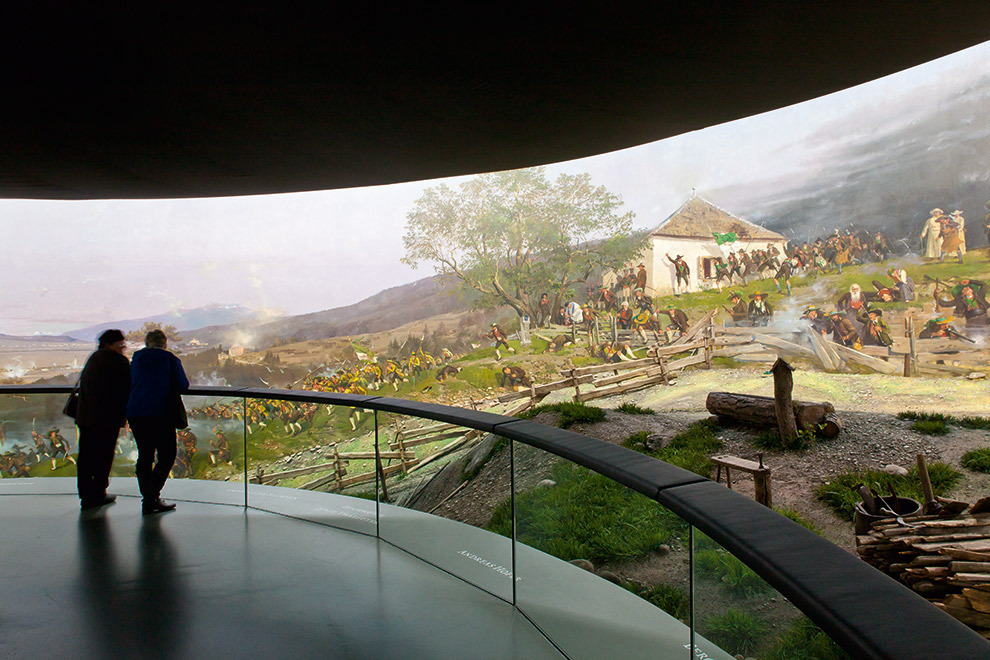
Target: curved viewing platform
x: 423, y: 531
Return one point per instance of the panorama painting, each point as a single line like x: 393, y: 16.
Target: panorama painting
x: 643, y: 297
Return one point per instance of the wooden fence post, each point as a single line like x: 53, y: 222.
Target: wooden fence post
x: 337, y: 467
x: 708, y: 336
x: 912, y: 343
x: 574, y: 380
x: 381, y: 478
x: 763, y: 484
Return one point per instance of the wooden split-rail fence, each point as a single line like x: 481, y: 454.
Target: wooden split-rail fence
x: 404, y: 440
x: 706, y: 340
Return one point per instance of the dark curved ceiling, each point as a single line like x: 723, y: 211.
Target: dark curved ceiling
x: 157, y: 103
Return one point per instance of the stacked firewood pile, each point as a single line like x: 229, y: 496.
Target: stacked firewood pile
x: 945, y: 557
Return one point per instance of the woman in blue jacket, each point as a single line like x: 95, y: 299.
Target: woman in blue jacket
x: 157, y: 379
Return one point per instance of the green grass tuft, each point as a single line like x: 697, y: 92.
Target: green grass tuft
x: 804, y: 640
x: 569, y: 413
x: 672, y: 600
x: 717, y: 564
x: 981, y: 423
x: 925, y: 417
x: 838, y: 493
x: 736, y: 631
x: 930, y: 427
x: 588, y: 516
x: 973, y: 423
x: 637, y: 441
x: 689, y: 449
x: 977, y: 460
x: 791, y: 514
x: 632, y: 409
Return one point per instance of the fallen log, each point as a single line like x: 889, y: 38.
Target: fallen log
x: 948, y: 368
x: 832, y: 425
x: 732, y: 351
x: 757, y: 356
x: 783, y: 345
x: 764, y: 329
x: 818, y: 345
x: 854, y: 356
x: 759, y: 410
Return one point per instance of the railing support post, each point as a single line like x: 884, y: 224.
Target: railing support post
x: 244, y: 420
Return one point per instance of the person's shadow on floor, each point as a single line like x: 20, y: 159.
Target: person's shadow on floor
x: 138, y: 616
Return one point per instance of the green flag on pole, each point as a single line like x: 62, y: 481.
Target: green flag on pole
x: 724, y: 238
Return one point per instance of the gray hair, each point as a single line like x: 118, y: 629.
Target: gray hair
x: 155, y: 339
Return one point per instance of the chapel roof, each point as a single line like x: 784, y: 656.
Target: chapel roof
x: 699, y: 218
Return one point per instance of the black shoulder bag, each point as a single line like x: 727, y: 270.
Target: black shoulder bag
x: 179, y: 416
x: 71, y: 407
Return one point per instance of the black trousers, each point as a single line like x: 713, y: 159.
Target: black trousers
x: 96, y: 449
x: 155, y: 438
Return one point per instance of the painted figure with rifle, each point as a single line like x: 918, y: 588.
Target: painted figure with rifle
x: 968, y: 301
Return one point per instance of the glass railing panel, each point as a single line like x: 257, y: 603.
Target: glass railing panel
x: 738, y: 613
x: 210, y: 448
x: 598, y: 566
x: 442, y: 485
x: 37, y: 440
x: 313, y: 461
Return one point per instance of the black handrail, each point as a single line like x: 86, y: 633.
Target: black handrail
x: 869, y: 614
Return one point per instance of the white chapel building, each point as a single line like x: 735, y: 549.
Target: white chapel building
x: 690, y: 232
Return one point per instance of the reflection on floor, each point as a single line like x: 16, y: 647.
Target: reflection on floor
x: 223, y: 581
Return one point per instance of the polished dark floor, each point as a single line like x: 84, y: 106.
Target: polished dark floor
x: 219, y: 581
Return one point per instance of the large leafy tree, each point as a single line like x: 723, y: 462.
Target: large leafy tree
x: 137, y: 336
x: 512, y: 236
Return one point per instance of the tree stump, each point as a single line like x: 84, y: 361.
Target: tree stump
x: 783, y: 385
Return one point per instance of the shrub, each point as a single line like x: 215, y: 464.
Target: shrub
x: 973, y: 423
x: 632, y: 409
x: 717, y: 564
x: 637, y: 441
x: 569, y: 413
x: 588, y: 516
x: 736, y: 631
x: 838, y: 493
x: 977, y: 460
x: 688, y: 450
x: 770, y: 439
x: 804, y: 640
x: 930, y: 427
x: 699, y: 436
x: 964, y: 422
x: 925, y: 417
x: 672, y: 600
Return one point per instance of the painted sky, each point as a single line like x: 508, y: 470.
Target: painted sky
x: 72, y: 264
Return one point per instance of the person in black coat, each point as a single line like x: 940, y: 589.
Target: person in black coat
x: 104, y: 386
